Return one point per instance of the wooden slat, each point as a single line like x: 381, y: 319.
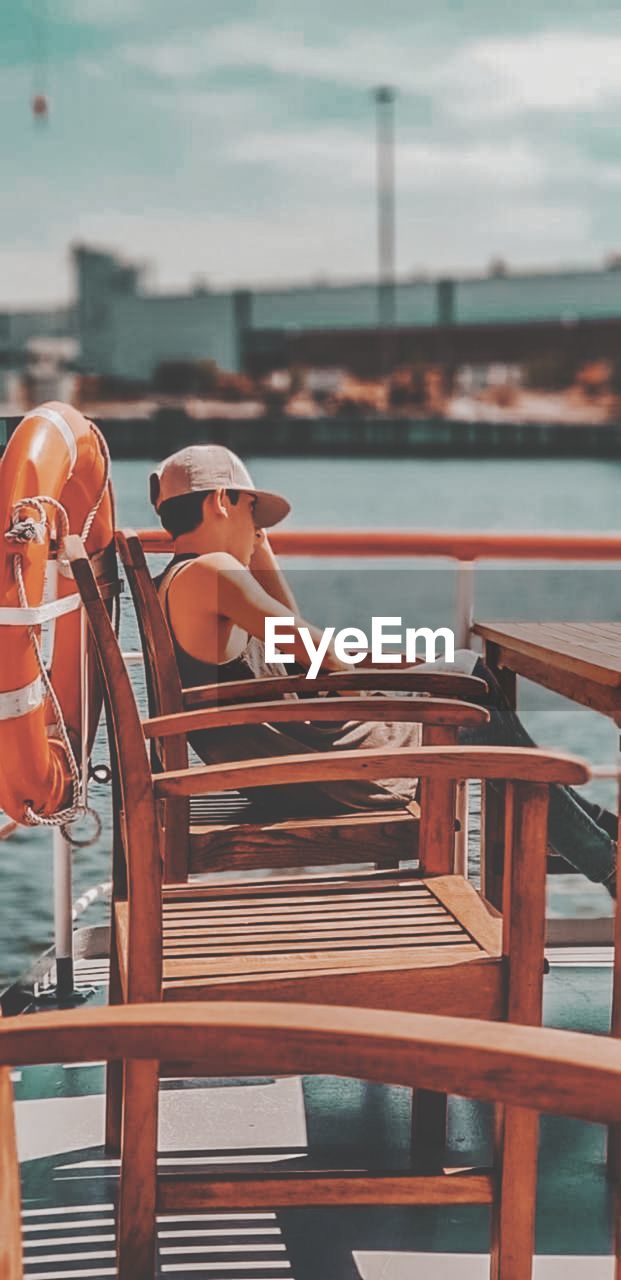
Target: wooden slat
x: 191, y: 948
x: 278, y: 1190
x: 299, y: 924
x: 299, y: 842
x: 316, y: 927
x: 243, y: 925
x: 440, y: 683
x: 413, y: 893
x: 317, y: 878
x: 257, y: 908
x: 310, y: 960
x: 451, y: 763
x: 295, y: 886
x: 434, y: 711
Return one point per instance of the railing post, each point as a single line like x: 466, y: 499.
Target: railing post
x: 63, y: 924
x: 464, y: 604
x: 464, y: 614
x: 614, y: 1133
x: 65, y: 991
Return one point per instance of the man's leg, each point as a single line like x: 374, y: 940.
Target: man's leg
x: 580, y: 831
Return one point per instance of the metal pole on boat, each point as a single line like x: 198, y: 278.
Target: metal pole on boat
x: 464, y: 614
x: 65, y: 991
x: 63, y: 924
x: 384, y: 97
x: 464, y: 604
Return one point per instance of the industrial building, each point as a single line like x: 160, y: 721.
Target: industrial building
x: 125, y: 331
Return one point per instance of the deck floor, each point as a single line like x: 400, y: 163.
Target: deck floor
x: 69, y: 1184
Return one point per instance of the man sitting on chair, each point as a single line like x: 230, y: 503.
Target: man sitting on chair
x: 217, y: 591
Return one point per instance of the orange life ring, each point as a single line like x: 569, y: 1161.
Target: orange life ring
x: 54, y: 453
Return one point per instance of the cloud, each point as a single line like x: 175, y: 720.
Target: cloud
x: 33, y: 278
x: 99, y: 13
x: 359, y: 58
x: 485, y: 78
x: 550, y: 71
x: 349, y: 157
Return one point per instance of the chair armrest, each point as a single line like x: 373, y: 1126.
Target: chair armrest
x: 513, y: 764
x: 326, y: 710
x: 564, y: 1072
x: 444, y: 684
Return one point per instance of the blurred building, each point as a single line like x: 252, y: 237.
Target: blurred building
x: 124, y: 330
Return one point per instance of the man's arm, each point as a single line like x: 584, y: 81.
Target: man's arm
x: 242, y: 599
x: 265, y: 568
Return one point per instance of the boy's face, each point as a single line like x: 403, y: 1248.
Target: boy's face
x: 238, y: 524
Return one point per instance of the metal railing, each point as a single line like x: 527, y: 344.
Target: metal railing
x: 466, y: 549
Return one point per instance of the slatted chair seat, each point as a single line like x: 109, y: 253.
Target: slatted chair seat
x: 371, y: 929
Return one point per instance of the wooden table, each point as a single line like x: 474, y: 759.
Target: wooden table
x: 581, y: 660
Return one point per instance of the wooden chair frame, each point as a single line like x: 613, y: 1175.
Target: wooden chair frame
x: 495, y: 970
x: 517, y: 1068
x: 382, y: 837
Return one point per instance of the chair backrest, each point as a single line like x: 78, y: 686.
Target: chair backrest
x: 137, y: 827
x: 161, y: 671
x: 164, y: 695
x: 560, y: 1072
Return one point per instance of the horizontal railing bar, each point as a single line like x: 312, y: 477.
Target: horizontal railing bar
x: 456, y: 546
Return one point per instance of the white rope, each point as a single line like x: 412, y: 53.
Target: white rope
x: 88, y: 523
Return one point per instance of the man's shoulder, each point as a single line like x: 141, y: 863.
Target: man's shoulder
x: 215, y: 562
x: 199, y: 573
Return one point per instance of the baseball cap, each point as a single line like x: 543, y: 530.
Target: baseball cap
x: 201, y: 467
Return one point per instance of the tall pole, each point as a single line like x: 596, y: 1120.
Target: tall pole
x: 384, y: 97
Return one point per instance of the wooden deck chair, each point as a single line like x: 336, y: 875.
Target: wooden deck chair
x: 523, y: 1070
x: 406, y: 940
x: 197, y: 845
x: 245, y: 844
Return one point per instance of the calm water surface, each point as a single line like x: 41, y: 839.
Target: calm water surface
x: 572, y: 495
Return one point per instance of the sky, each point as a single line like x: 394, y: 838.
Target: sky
x: 234, y: 142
